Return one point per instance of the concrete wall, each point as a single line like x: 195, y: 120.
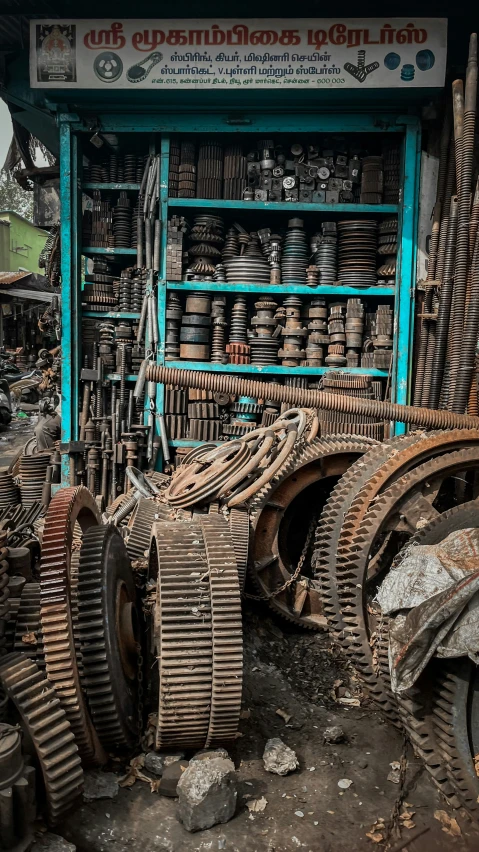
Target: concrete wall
x: 21, y: 249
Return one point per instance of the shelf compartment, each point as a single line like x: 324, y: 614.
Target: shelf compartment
x: 99, y: 250
x: 285, y: 290
x: 284, y: 206
x: 276, y: 370
x: 111, y: 314
x: 111, y: 186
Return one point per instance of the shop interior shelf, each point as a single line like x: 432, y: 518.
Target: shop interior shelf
x: 275, y: 370
x: 237, y: 204
x: 114, y: 186
x: 111, y: 314
x: 214, y: 286
x: 98, y: 250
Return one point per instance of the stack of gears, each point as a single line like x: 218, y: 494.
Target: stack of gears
x: 388, y: 248
x: 117, y: 168
x: 372, y: 180
x: 195, y: 328
x: 334, y: 422
x: 187, y: 171
x: 207, y: 239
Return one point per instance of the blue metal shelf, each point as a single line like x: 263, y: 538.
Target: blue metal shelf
x: 185, y: 442
x: 340, y: 290
x: 276, y: 370
x: 98, y: 250
x: 114, y: 186
x: 285, y: 206
x: 111, y: 314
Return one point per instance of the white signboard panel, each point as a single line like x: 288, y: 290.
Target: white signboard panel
x: 360, y: 53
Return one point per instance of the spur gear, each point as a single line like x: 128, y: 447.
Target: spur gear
x: 140, y: 525
x: 28, y: 628
x: 274, y: 523
x: 68, y: 507
x: 49, y: 730
x: 239, y: 528
x: 107, y: 633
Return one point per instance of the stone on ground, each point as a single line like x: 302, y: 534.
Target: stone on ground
x: 279, y: 758
x: 100, y: 785
x: 171, y: 776
x: 49, y: 842
x: 207, y: 793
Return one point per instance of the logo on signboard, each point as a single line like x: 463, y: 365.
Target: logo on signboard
x: 56, y: 53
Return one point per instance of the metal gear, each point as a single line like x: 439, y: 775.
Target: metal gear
x: 49, y: 729
x: 390, y: 522
x: 68, y: 506
x: 107, y: 632
x: 146, y: 514
x: 17, y: 792
x: 28, y: 628
x: 239, y: 528
x: 270, y: 521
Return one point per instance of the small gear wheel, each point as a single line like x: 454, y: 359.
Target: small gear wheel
x: 108, y: 636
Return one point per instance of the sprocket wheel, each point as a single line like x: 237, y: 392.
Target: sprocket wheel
x: 108, y: 636
x: 48, y: 727
x: 68, y: 507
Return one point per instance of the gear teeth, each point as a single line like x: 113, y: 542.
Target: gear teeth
x: 49, y: 729
x: 239, y: 527
x: 28, y: 625
x: 147, y: 513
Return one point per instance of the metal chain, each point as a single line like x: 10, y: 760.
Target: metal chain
x: 295, y: 575
x: 140, y: 690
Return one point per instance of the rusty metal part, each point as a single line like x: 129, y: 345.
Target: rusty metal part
x: 204, y: 478
x: 391, y: 520
x: 37, y: 703
x: 239, y: 528
x: 227, y: 634
x: 140, y: 525
x: 274, y: 517
x: 183, y: 634
x: 68, y: 507
x: 17, y: 792
x: 33, y: 471
x: 108, y: 626
x: 28, y: 627
x: 428, y: 418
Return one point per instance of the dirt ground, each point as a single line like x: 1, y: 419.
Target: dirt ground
x: 299, y: 674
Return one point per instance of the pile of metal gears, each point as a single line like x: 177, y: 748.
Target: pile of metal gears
x: 343, y: 252
x: 323, y: 171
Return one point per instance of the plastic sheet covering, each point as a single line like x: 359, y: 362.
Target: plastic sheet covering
x: 432, y: 599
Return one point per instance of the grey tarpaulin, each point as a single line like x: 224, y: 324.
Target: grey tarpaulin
x: 432, y: 599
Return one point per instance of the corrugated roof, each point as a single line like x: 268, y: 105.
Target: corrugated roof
x: 7, y: 278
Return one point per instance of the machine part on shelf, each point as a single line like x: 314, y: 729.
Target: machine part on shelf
x: 17, y: 792
x: 49, y: 730
x: 294, y: 254
x: 280, y: 518
x: 358, y: 239
x: 68, y: 507
x: 107, y: 631
x: 199, y: 703
x: 310, y: 398
x: 239, y: 528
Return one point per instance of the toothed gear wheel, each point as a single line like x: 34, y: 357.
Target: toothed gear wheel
x: 269, y: 557
x: 49, y: 729
x: 239, y: 527
x: 108, y: 636
x: 227, y: 631
x: 68, y: 507
x: 146, y: 514
x: 28, y: 628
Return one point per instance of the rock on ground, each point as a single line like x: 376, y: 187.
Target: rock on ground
x: 334, y: 734
x: 207, y: 754
x: 52, y: 843
x: 279, y: 758
x: 171, y: 776
x: 207, y: 793
x: 100, y: 785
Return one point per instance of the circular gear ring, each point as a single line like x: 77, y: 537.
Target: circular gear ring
x: 40, y: 709
x: 108, y: 636
x: 68, y: 507
x: 239, y: 528
x: 270, y: 564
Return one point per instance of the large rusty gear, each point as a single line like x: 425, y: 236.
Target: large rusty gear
x: 28, y: 627
x: 68, y: 507
x: 146, y: 514
x: 392, y: 519
x: 269, y: 567
x: 48, y: 728
x: 107, y: 632
x: 183, y: 634
x: 239, y: 528
x: 401, y: 458
x: 226, y: 631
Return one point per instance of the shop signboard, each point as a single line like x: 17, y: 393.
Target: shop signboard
x: 360, y: 53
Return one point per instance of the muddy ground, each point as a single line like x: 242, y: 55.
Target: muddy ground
x: 299, y: 674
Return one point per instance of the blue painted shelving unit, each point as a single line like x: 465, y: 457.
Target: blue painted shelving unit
x: 158, y: 129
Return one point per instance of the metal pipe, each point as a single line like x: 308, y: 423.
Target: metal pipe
x: 142, y: 322
x: 164, y: 438
x: 469, y: 340
x: 444, y: 310
x: 309, y: 398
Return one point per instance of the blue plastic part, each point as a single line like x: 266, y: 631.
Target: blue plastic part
x: 392, y: 61
x: 425, y: 60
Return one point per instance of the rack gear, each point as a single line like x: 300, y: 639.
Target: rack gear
x: 68, y: 507
x: 50, y: 731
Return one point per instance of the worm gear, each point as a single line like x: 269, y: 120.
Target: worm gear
x: 273, y: 520
x: 49, y: 729
x: 68, y: 507
x: 107, y: 632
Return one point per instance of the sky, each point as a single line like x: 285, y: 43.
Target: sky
x: 5, y: 131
